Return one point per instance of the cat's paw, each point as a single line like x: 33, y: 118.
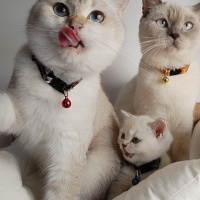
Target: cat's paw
x: 7, y: 112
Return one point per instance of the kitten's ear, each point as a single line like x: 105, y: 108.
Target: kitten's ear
x: 122, y: 6
x: 126, y: 115
x: 159, y: 127
x: 148, y: 5
x: 196, y: 8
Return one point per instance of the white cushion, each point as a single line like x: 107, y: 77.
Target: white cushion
x: 178, y: 181
x: 17, y: 175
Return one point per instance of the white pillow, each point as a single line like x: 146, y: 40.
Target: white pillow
x: 177, y: 181
x: 17, y: 175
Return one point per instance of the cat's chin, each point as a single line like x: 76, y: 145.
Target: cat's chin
x: 127, y: 155
x: 173, y: 48
x: 75, y: 49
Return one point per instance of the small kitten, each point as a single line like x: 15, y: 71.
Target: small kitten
x: 168, y: 79
x: 71, y: 133
x: 144, y: 143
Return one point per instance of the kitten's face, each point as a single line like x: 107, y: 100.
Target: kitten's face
x: 138, y: 141
x: 170, y: 29
x: 81, y: 36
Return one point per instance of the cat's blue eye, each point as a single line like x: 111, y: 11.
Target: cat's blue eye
x: 135, y: 140
x: 61, y: 10
x: 187, y: 26
x: 96, y: 16
x: 162, y: 23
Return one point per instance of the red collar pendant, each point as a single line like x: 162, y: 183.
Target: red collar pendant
x: 66, y: 103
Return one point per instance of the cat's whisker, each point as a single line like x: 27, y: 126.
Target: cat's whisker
x: 108, y: 46
x: 150, y: 48
x: 157, y: 48
x: 144, y: 72
x: 149, y: 37
x: 149, y: 41
x: 43, y: 29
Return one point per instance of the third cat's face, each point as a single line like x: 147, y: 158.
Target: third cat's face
x: 138, y: 142
x: 86, y: 33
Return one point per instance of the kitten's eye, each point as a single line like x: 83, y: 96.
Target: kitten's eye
x: 61, y: 10
x: 188, y: 26
x: 162, y: 23
x: 135, y: 140
x: 123, y: 136
x: 96, y: 16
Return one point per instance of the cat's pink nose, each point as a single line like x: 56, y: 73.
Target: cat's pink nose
x: 76, y: 26
x: 123, y: 145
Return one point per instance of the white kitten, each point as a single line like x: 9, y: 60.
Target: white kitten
x: 72, y: 133
x: 144, y: 143
x: 164, y: 86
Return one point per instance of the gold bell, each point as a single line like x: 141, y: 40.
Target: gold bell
x: 165, y: 80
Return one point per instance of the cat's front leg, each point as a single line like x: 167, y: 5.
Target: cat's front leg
x: 7, y: 112
x: 122, y: 183
x: 103, y: 162
x: 64, y: 171
x: 102, y: 167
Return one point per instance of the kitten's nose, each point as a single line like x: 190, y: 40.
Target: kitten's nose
x: 123, y: 145
x: 76, y: 26
x: 174, y: 35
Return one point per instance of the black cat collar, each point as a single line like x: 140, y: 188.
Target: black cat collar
x: 55, y: 82
x: 142, y: 169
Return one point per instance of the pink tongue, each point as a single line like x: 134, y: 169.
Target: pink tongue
x: 68, y: 37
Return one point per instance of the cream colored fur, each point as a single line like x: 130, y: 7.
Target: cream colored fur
x: 146, y: 93
x: 75, y: 147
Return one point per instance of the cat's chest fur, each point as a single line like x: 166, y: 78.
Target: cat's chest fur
x: 168, y: 100
x: 40, y: 107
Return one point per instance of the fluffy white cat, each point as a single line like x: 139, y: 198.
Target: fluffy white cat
x: 168, y: 79
x: 71, y: 133
x: 144, y: 143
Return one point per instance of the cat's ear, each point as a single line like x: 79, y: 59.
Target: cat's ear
x: 122, y: 6
x: 159, y: 127
x: 196, y: 8
x: 148, y: 5
x: 126, y: 115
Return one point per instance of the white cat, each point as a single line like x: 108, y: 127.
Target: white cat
x: 72, y: 133
x: 144, y: 143
x: 168, y: 79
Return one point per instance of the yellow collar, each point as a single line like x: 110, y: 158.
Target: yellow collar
x: 173, y: 72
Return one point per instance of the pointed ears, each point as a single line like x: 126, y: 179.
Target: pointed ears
x: 122, y: 5
x: 126, y: 115
x: 196, y: 8
x: 149, y: 4
x: 159, y: 127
